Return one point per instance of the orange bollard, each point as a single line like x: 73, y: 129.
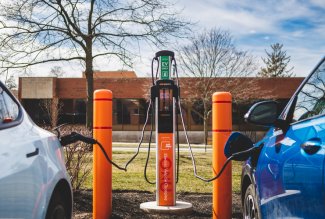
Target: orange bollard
x: 102, y: 178
x: 221, y: 129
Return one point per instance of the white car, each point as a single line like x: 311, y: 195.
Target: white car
x: 34, y: 182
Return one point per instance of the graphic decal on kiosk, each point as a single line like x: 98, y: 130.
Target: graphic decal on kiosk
x: 166, y: 170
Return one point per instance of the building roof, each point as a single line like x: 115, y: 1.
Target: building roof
x: 113, y: 74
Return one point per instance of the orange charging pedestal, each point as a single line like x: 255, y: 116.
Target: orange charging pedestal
x: 102, y: 178
x: 221, y: 130
x: 164, y: 94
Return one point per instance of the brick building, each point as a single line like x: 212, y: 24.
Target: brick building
x: 38, y: 94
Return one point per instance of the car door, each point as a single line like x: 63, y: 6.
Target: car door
x: 292, y: 167
x: 20, y: 166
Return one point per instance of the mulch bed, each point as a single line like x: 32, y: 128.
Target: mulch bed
x: 126, y: 205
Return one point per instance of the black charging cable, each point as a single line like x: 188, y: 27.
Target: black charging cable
x: 149, y: 147
x: 142, y: 136
x: 233, y: 156
x: 152, y: 76
x: 74, y: 137
x: 177, y: 139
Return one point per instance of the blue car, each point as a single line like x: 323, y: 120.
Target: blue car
x: 34, y: 183
x: 284, y: 176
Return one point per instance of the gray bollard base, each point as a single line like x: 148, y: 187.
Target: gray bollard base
x: 181, y: 208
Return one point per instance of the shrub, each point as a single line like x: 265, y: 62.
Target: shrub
x: 77, y: 156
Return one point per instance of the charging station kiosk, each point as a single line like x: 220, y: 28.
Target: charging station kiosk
x: 164, y: 93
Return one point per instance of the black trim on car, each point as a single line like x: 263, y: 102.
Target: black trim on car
x: 309, y: 118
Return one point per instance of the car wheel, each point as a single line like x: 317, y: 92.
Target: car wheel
x: 58, y: 208
x: 250, y: 204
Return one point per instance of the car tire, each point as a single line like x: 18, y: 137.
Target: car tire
x: 58, y: 208
x: 251, y: 208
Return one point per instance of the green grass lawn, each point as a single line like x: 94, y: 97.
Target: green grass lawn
x: 133, y: 179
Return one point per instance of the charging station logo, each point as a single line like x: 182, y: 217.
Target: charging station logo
x: 164, y: 67
x: 165, y: 143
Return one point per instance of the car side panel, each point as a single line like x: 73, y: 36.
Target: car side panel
x: 56, y: 170
x: 291, y: 181
x: 26, y: 184
x: 56, y: 165
x: 20, y: 176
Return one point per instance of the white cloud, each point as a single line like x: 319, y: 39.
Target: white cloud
x: 319, y: 3
x: 250, y: 21
x: 211, y: 15
x: 255, y: 24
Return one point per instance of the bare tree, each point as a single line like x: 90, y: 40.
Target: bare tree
x: 78, y: 158
x: 56, y: 71
x: 209, y: 55
x: 52, y: 108
x: 276, y: 63
x: 40, y: 31
x: 10, y: 81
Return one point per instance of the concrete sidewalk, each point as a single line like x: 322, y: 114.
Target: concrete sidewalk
x: 126, y: 146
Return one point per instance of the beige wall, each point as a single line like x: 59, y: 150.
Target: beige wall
x: 37, y: 88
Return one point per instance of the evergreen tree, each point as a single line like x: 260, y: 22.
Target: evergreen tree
x: 276, y: 63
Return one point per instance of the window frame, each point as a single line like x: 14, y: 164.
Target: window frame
x: 287, y: 113
x: 20, y: 116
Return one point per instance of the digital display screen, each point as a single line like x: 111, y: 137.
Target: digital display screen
x: 165, y: 100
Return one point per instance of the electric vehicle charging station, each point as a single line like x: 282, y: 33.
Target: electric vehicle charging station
x: 165, y: 98
x: 164, y: 94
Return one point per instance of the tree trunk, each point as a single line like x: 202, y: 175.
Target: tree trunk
x: 205, y: 133
x: 90, y: 85
x: 54, y: 112
x: 205, y: 126
x: 90, y: 90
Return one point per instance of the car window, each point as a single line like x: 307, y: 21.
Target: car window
x: 311, y: 98
x: 9, y: 109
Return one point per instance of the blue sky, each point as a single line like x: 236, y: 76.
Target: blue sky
x: 255, y: 25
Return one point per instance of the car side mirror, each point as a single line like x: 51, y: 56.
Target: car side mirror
x: 263, y: 113
x: 238, y: 145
